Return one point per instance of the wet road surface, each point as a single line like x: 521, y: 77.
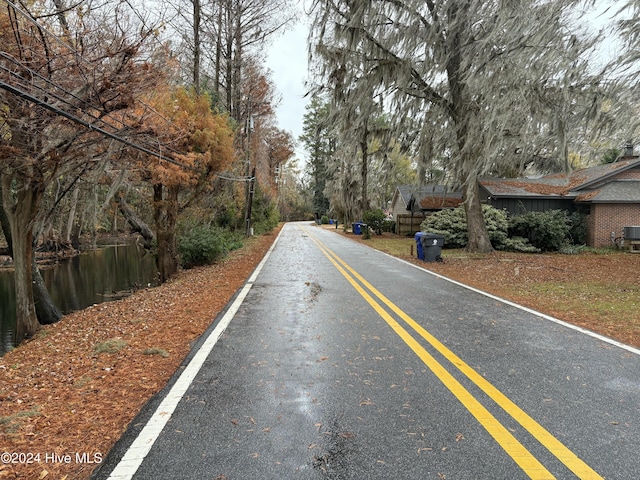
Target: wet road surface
x: 340, y: 362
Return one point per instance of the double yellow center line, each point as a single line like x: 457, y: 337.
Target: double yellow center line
x: 527, y: 462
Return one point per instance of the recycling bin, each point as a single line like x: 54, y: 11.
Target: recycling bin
x: 356, y: 228
x: 419, y: 250
x: 432, y: 244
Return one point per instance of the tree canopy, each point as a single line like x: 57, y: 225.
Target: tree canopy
x: 482, y: 86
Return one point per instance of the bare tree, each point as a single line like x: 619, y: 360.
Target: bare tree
x: 59, y: 101
x: 219, y: 37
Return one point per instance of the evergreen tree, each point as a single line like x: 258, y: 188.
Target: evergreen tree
x: 318, y: 140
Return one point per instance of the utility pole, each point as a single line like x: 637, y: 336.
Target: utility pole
x: 250, y: 180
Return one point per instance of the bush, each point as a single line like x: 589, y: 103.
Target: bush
x: 324, y: 220
x: 548, y: 231
x: 450, y: 223
x: 578, y: 228
x: 497, y: 222
x: 375, y: 220
x: 264, y: 212
x: 200, y: 245
x: 453, y: 225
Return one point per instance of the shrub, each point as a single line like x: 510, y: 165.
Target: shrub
x: 450, y: 223
x: 200, y: 245
x: 264, y: 212
x: 453, y: 225
x: 324, y: 220
x: 578, y: 228
x: 548, y: 231
x: 375, y: 220
x: 518, y: 244
x: 497, y: 222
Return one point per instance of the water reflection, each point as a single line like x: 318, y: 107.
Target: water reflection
x: 95, y: 276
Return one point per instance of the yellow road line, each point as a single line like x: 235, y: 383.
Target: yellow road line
x: 566, y: 456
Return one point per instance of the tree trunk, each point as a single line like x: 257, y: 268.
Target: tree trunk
x: 229, y: 64
x: 216, y: 83
x: 236, y: 110
x: 4, y: 223
x: 46, y: 311
x: 20, y: 212
x: 165, y: 213
x: 364, y: 148
x: 137, y: 224
x: 71, y: 219
x: 478, y: 238
x: 196, y: 46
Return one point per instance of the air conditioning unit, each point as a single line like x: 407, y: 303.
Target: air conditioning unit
x: 632, y: 233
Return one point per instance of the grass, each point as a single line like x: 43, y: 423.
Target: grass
x: 113, y: 345
x: 406, y: 246
x: 605, y: 299
x: 156, y: 351
x: 11, y: 423
x: 396, y: 246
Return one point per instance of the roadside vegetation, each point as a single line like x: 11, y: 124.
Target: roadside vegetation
x: 107, y: 126
x: 549, y: 231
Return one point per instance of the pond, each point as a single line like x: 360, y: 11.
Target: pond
x: 107, y: 273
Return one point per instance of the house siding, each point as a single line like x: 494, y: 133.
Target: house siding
x: 398, y: 207
x: 516, y: 206
x: 608, y: 217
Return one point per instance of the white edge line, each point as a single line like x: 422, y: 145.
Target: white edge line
x: 141, y: 446
x: 591, y: 333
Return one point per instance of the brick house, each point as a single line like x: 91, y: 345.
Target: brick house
x: 609, y: 194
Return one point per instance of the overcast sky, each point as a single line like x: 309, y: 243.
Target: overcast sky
x: 287, y: 59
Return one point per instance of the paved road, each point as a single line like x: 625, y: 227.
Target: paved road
x: 339, y: 362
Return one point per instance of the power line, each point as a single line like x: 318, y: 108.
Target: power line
x: 73, y: 118
x: 21, y: 91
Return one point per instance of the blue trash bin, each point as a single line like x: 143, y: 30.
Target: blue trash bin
x: 420, y: 251
x: 357, y: 228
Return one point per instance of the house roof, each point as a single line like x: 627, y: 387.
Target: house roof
x: 437, y: 202
x: 576, y: 184
x: 621, y: 191
x: 406, y: 192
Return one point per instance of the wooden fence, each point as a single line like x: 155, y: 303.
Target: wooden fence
x: 407, y: 224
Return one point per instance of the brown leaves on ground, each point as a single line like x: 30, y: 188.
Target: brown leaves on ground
x: 74, y: 388
x: 597, y: 291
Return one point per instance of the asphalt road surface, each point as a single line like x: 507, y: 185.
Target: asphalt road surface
x: 339, y: 362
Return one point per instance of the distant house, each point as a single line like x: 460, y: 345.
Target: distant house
x: 609, y: 194
x: 411, y: 203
